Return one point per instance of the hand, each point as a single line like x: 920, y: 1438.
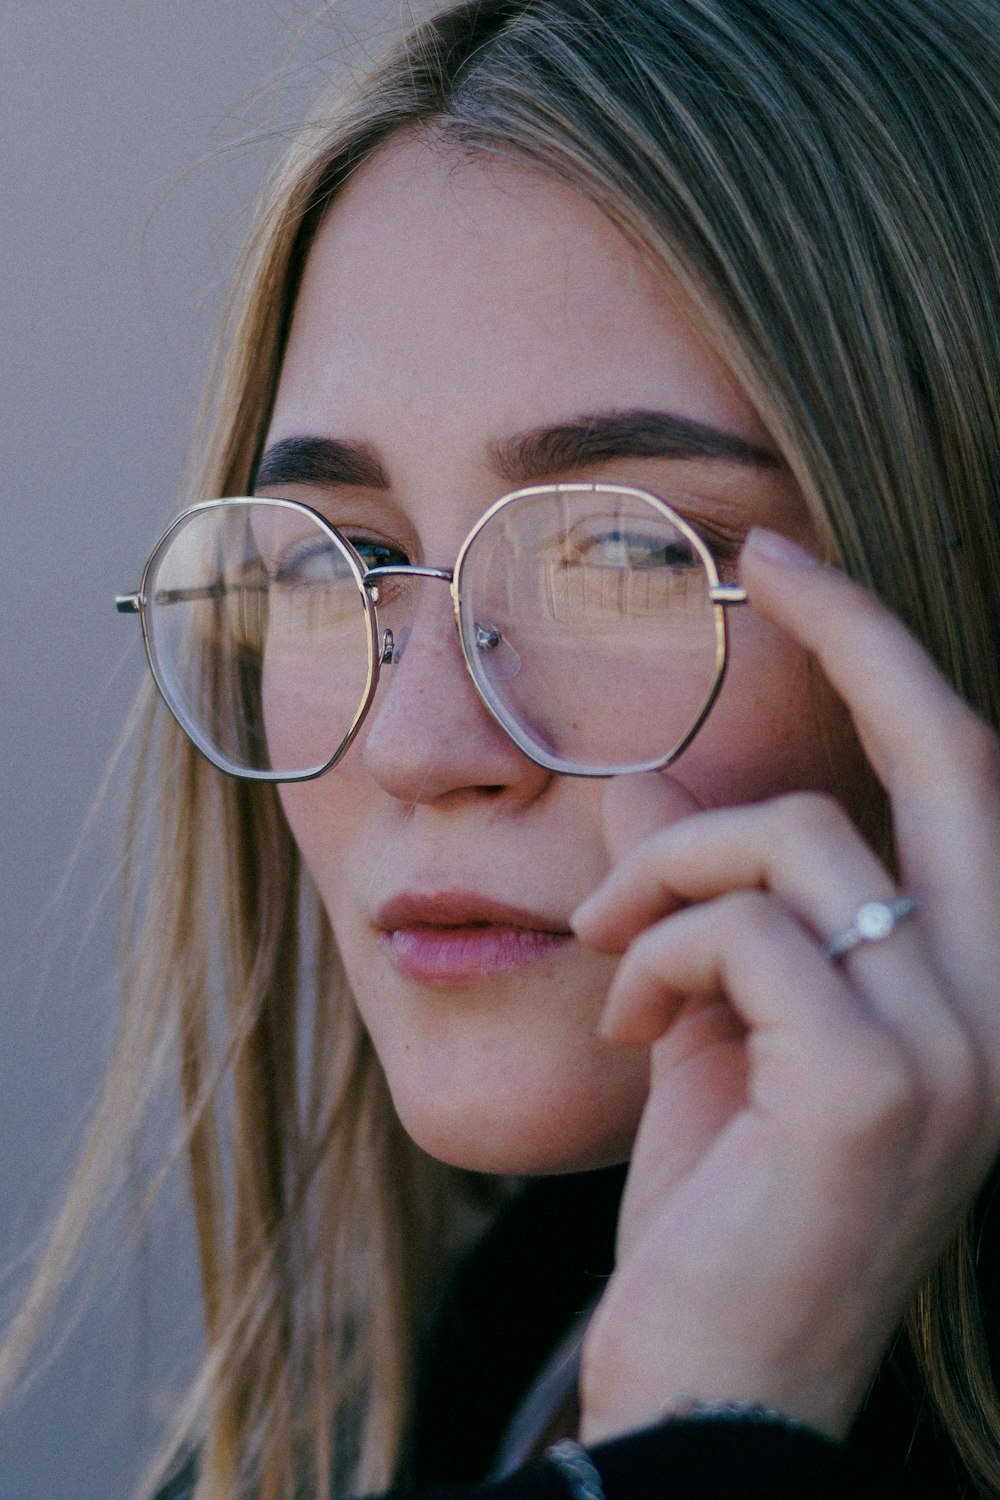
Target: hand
x: 814, y: 1131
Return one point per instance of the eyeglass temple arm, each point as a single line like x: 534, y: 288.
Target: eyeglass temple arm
x: 132, y: 604
x: 721, y: 593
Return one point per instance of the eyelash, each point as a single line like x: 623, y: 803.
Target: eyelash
x: 724, y: 549
x: 378, y: 552
x: 375, y: 553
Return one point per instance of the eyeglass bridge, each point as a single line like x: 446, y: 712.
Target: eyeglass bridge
x: 487, y: 638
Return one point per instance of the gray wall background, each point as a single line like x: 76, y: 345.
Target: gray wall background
x: 133, y: 135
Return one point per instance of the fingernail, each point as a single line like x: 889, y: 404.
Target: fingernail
x: 780, y: 549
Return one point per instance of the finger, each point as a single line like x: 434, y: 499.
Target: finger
x: 935, y: 757
x: 747, y: 947
x: 817, y: 1060
x: 899, y: 701
x: 802, y: 847
x: 635, y: 806
x: 806, y: 853
x: 814, y: 1044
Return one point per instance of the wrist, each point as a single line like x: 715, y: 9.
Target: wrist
x: 626, y: 1386
x: 617, y: 1401
x: 691, y: 1409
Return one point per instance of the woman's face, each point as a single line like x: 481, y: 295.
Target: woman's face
x: 448, y: 309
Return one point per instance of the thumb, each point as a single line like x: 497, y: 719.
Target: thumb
x: 637, y: 805
x: 635, y: 808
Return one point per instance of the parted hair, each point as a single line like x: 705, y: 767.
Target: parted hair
x: 821, y: 177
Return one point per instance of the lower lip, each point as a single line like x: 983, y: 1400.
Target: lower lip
x: 433, y: 954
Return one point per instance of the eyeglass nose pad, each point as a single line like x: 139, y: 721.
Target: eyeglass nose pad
x: 501, y: 662
x: 400, y: 647
x: 392, y: 648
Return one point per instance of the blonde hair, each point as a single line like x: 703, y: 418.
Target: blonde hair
x: 818, y: 176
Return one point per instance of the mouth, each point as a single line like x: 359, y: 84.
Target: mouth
x: 457, y: 937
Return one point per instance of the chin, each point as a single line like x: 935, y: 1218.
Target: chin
x: 507, y: 1141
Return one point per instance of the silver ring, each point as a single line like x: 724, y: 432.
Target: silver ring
x: 873, y: 922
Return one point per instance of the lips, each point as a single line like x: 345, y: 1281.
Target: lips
x: 457, y: 937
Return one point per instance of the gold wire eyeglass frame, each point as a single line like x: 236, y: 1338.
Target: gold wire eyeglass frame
x: 380, y: 644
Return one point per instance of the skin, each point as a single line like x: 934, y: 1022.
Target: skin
x: 807, y: 1125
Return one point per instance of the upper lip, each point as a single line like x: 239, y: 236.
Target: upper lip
x: 459, y: 909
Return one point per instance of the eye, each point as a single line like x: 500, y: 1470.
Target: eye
x: 376, y: 554
x: 635, y: 550
x: 309, y: 563
x: 315, y: 562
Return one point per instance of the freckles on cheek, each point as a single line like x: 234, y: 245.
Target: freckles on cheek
x: 318, y: 832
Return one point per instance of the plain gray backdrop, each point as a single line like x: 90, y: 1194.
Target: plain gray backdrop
x: 134, y: 134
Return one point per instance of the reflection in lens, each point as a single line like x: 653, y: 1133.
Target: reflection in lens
x: 259, y: 636
x: 604, y: 602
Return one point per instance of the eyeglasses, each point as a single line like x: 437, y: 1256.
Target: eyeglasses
x: 591, y: 619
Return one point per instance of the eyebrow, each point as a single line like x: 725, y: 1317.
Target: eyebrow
x: 320, y: 461
x: 628, y: 434
x: 527, y: 456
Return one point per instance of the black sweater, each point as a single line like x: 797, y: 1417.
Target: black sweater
x: 510, y: 1300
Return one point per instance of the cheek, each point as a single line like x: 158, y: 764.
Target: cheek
x: 323, y: 816
x: 776, y: 727
x: 314, y: 679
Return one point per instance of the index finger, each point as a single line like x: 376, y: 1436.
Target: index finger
x: 936, y: 758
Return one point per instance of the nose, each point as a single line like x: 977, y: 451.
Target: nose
x: 429, y: 736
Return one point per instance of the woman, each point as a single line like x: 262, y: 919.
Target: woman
x: 726, y: 273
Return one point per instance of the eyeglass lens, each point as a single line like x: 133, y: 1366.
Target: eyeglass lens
x: 259, y: 637
x: 607, y: 648
x: 586, y: 622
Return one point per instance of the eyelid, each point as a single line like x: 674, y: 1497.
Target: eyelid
x: 350, y: 513
x: 725, y: 546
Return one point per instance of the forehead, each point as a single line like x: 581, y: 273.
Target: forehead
x: 482, y: 297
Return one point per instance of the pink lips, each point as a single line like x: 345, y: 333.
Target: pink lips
x: 456, y: 937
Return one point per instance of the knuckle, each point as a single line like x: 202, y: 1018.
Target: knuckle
x: 895, y: 1102
x: 973, y: 748
x: 644, y: 954
x: 885, y: 1100
x: 812, y: 816
x: 961, y: 1085
x: 753, y: 913
x: 879, y: 1098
